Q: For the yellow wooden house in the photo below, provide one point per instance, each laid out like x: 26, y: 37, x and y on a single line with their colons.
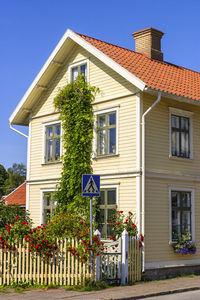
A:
x: 146, y: 139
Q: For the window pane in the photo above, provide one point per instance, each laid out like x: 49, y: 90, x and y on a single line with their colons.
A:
x: 110, y: 214
x: 111, y: 197
x: 102, y: 120
x: 56, y: 149
x: 57, y: 130
x: 102, y: 198
x: 49, y: 131
x: 112, y: 140
x: 175, y: 121
x: 46, y: 216
x: 186, y: 201
x: 47, y: 199
x: 175, y: 199
x: 49, y: 150
x: 112, y: 119
x: 176, y: 230
x: 101, y: 228
x: 74, y: 73
x: 186, y: 222
x: 101, y: 142
x: 83, y: 70
x: 101, y: 216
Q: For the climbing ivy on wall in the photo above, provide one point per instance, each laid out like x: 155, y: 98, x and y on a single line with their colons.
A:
x: 75, y: 104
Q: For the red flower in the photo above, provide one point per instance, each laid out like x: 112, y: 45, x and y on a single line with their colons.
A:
x: 17, y: 218
x: 121, y: 211
x: 141, y: 237
x: 133, y: 225
x: 140, y: 244
x: 117, y: 223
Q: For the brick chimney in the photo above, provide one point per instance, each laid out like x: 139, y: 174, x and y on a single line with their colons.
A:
x: 148, y: 41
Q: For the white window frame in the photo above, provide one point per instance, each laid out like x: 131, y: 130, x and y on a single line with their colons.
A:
x: 76, y: 64
x: 181, y: 113
x: 182, y: 189
x: 99, y: 112
x: 46, y: 124
x: 42, y: 192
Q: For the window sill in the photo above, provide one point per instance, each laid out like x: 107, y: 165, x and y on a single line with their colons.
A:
x: 183, y: 159
x: 51, y: 163
x: 105, y: 156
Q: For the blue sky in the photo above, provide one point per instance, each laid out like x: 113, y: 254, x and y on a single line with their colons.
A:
x: 30, y: 30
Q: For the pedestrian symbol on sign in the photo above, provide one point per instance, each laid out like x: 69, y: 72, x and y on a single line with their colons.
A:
x: 91, y: 185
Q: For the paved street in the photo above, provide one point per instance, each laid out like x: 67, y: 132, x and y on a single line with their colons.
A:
x: 194, y: 295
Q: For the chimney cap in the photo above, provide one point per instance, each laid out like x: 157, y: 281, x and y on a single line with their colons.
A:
x: 148, y: 30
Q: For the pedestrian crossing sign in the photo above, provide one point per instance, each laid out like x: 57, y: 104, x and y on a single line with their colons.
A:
x: 90, y: 185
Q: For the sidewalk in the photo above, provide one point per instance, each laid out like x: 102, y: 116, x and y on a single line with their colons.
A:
x: 138, y: 291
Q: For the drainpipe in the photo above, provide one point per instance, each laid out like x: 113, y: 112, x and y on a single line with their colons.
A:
x: 11, y: 127
x: 144, y: 172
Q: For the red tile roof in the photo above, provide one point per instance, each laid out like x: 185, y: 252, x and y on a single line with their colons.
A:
x: 158, y: 75
x: 18, y: 196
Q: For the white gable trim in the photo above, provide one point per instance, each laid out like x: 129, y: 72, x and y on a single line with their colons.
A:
x: 94, y: 51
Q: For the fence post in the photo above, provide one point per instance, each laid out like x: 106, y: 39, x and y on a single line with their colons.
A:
x: 98, y: 259
x: 124, y: 275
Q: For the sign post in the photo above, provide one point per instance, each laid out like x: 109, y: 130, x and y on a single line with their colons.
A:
x: 91, y: 188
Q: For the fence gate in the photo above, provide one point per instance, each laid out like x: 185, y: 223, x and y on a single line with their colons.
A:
x: 120, y: 260
x: 111, y: 260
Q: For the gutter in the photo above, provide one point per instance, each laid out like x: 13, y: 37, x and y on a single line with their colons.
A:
x: 144, y: 172
x: 23, y: 134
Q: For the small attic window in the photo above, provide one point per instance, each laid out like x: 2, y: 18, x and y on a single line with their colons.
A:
x: 80, y: 68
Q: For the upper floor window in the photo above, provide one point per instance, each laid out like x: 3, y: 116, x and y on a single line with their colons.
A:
x: 181, y: 213
x: 79, y: 68
x: 106, y: 133
x: 181, y: 135
x: 52, y: 142
x: 107, y: 204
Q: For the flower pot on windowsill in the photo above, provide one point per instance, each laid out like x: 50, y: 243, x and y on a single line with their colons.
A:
x: 184, y: 245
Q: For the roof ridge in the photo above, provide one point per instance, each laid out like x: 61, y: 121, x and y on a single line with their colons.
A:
x: 137, y: 53
x: 107, y: 42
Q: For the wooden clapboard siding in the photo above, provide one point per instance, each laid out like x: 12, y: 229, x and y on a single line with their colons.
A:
x: 157, y: 138
x: 126, y: 189
x: 158, y: 164
x: 157, y: 221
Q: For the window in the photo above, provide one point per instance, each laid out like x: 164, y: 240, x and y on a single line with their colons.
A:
x: 52, y: 142
x: 180, y: 136
x: 106, y: 133
x: 106, y: 206
x: 181, y: 213
x: 49, y: 206
x: 78, y: 70
x: 181, y: 133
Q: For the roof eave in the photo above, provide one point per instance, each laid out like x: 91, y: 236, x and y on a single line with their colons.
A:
x: 90, y: 48
x: 173, y: 96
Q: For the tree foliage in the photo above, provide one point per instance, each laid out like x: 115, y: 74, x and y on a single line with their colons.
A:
x: 16, y: 176
x: 8, y: 214
x: 3, y: 177
x: 75, y: 104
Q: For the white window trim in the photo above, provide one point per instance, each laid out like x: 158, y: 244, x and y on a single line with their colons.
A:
x: 45, y: 124
x: 182, y: 189
x: 182, y: 113
x: 99, y: 112
x: 42, y: 191
x: 78, y: 63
